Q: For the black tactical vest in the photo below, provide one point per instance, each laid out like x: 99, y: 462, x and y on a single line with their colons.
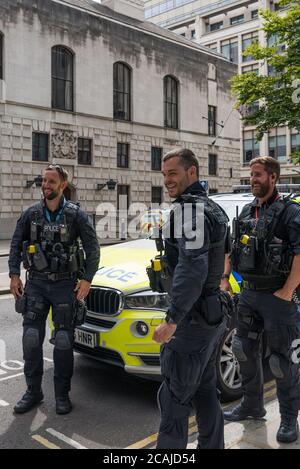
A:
x: 261, y: 255
x: 53, y: 246
x: 218, y: 221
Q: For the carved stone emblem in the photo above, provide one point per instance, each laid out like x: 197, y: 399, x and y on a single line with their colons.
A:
x: 64, y: 145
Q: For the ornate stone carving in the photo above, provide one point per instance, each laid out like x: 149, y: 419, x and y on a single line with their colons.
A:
x: 64, y: 145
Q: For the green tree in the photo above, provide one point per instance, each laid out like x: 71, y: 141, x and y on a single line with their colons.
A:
x: 279, y: 92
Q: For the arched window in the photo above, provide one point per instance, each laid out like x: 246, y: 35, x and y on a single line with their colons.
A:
x: 170, y: 102
x: 62, y: 78
x: 122, y: 91
x: 1, y: 56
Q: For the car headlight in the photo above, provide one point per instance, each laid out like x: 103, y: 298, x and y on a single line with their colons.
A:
x: 147, y: 300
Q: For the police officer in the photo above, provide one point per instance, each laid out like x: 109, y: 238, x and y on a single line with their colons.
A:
x: 266, y: 252
x: 50, y: 236
x: 195, y: 321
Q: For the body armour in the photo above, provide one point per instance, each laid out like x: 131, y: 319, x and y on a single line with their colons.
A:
x: 260, y: 254
x: 53, y: 246
x: 218, y: 225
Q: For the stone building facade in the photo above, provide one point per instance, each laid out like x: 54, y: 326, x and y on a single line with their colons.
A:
x: 81, y: 127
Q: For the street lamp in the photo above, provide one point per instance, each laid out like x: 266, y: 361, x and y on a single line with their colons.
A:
x: 111, y: 185
x: 38, y: 181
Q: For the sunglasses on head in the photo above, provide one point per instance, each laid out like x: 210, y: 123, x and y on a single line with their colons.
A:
x: 58, y: 168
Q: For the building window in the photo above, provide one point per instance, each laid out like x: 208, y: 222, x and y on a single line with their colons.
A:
x: 213, y: 47
x: 156, y: 157
x: 171, y: 102
x: 123, y: 155
x: 295, y: 142
x: 236, y: 19
x: 212, y: 164
x: 250, y: 146
x: 122, y: 91
x: 247, y: 40
x: 273, y: 41
x: 1, y: 56
x: 62, y: 78
x: 216, y: 26
x: 123, y: 190
x: 193, y: 34
x: 277, y: 146
x: 156, y: 195
x: 212, y: 120
x: 84, y: 151
x: 251, y: 68
x: 182, y: 34
x: 40, y: 146
x: 254, y: 14
x: 229, y: 48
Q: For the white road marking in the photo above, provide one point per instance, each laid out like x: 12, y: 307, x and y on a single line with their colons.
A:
x: 66, y: 439
x: 48, y: 360
x: 3, y: 403
x: 12, y: 376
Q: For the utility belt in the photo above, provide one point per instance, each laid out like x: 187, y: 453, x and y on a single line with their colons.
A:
x: 53, y: 276
x: 54, y: 257
x: 262, y: 287
x: 210, y: 310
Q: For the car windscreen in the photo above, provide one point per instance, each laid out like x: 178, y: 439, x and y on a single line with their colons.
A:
x: 229, y: 206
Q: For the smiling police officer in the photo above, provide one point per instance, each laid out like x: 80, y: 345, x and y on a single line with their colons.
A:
x: 266, y: 252
x: 60, y: 252
x: 195, y: 321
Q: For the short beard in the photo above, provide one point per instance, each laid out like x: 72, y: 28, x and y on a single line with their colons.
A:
x: 51, y: 196
x: 261, y: 191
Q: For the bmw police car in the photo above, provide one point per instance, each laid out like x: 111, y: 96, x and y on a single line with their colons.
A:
x: 123, y: 312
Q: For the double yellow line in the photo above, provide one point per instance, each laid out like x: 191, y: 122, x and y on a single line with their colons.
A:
x: 269, y: 392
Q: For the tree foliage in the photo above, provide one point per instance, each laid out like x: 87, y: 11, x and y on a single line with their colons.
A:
x: 279, y: 92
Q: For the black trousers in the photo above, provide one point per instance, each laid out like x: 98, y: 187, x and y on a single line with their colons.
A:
x: 188, y: 365
x: 41, y: 294
x: 262, y: 311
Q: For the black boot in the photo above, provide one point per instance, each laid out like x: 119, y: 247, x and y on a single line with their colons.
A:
x: 32, y: 397
x: 63, y: 405
x: 288, y: 430
x: 241, y: 412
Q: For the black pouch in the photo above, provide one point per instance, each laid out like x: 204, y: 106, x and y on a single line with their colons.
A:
x: 20, y: 304
x: 80, y: 312
x: 63, y: 315
x: 211, y: 309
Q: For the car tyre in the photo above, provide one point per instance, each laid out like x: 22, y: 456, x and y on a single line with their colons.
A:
x: 228, y: 369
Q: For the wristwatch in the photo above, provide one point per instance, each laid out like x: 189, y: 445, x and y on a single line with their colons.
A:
x: 169, y: 320
x: 225, y: 276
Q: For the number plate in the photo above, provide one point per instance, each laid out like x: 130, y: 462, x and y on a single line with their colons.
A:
x: 88, y: 339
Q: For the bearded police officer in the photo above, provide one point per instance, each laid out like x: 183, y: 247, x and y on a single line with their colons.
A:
x: 266, y: 252
x: 52, y: 237
x: 195, y: 320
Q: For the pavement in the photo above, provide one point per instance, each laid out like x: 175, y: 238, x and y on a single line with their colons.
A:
x: 4, y: 279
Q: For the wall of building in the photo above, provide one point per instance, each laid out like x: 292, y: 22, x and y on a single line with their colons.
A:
x: 29, y: 34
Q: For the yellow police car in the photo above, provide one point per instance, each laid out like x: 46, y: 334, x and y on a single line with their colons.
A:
x: 123, y: 313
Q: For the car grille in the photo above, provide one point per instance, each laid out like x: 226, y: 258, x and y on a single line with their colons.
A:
x: 150, y: 360
x: 104, y: 301
x: 101, y: 353
x: 99, y: 322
